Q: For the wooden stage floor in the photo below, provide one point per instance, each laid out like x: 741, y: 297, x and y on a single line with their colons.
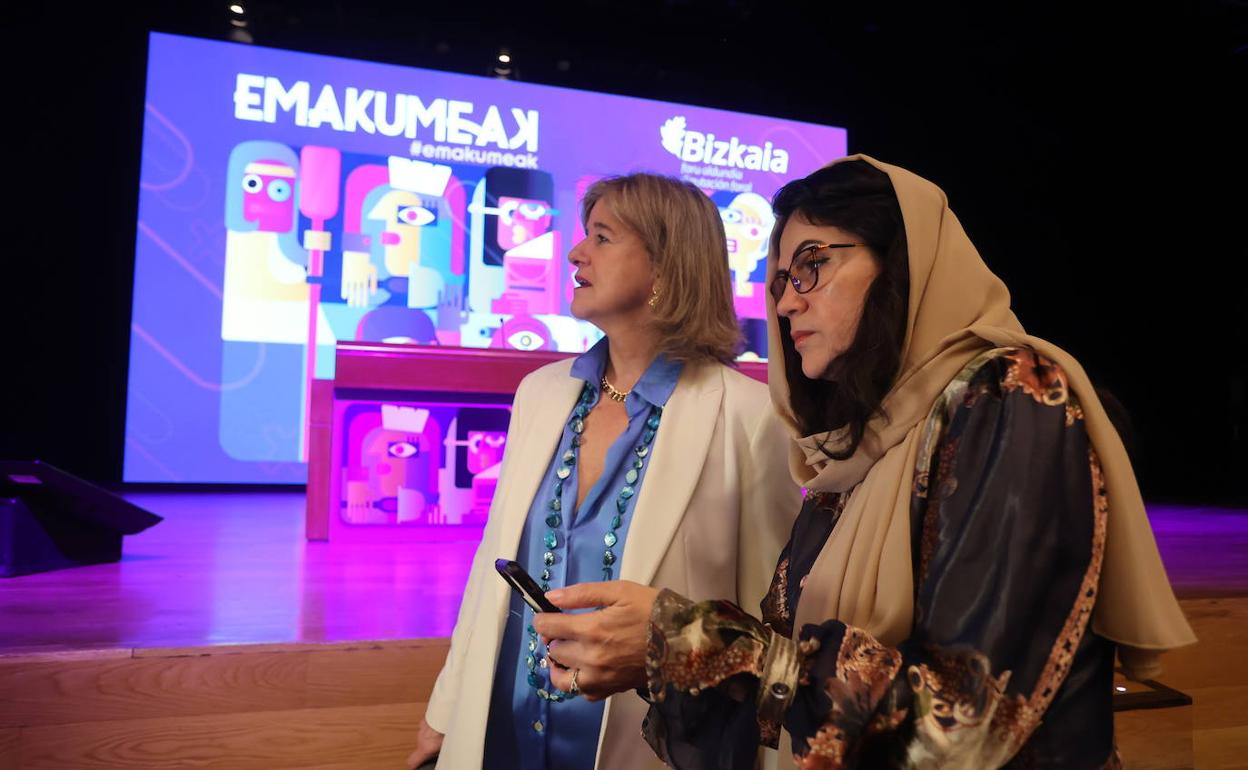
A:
x: 223, y: 640
x: 234, y: 568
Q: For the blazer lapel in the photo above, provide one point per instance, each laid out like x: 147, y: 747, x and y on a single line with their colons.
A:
x: 678, y: 453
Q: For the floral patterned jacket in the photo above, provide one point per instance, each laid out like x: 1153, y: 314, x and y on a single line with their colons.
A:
x: 1008, y: 518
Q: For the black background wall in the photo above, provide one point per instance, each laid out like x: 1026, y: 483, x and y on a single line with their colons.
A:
x: 1096, y: 158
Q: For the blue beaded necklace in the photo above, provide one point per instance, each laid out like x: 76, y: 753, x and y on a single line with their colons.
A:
x: 554, y: 519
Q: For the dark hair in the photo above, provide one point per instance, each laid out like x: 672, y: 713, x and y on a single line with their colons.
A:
x: 858, y: 198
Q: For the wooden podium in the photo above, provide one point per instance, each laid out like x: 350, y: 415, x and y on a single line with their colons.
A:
x: 392, y: 372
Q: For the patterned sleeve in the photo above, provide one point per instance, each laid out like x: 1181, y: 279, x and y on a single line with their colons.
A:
x: 1009, y: 526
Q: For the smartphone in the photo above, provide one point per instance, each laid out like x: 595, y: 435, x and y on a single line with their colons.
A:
x: 524, y: 585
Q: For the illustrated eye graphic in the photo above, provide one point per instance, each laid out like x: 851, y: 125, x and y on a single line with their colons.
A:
x: 496, y: 441
x: 402, y: 450
x: 416, y: 216
x: 252, y: 183
x: 525, y: 341
x: 730, y: 216
x: 532, y: 211
x: 279, y: 190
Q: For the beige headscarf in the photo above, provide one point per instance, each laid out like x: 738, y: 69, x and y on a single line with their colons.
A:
x: 958, y: 309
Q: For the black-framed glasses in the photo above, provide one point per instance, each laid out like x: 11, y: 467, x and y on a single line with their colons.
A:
x: 803, y: 271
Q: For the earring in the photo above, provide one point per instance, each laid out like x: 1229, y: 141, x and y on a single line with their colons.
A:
x: 653, y: 302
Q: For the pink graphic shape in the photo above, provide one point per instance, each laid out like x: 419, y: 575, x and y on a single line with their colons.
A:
x: 752, y: 306
x: 531, y: 278
x: 360, y: 182
x: 456, y: 201
x: 268, y: 198
x: 521, y: 220
x: 318, y: 201
x: 318, y: 191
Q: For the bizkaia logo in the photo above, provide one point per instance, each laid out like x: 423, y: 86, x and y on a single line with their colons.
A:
x: 696, y: 147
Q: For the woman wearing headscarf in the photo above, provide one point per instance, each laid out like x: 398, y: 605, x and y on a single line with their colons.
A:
x: 972, y: 552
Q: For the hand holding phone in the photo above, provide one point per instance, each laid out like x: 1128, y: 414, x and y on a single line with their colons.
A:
x: 524, y: 585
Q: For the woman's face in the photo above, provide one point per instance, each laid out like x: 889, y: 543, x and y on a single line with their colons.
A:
x: 824, y: 320
x: 614, y: 275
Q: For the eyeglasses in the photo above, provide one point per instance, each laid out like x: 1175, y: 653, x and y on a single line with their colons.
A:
x: 803, y: 271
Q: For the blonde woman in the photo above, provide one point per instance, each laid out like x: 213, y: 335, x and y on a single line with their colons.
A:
x: 640, y: 460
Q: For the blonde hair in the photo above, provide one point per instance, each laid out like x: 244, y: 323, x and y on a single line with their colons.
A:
x: 681, y: 230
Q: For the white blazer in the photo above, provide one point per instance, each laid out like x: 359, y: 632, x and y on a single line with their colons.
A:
x: 712, y: 515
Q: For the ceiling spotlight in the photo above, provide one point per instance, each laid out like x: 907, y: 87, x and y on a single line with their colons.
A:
x: 236, y: 9
x: 503, y: 67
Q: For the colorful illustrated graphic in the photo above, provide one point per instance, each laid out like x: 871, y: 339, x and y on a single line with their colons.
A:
x: 418, y: 463
x: 290, y: 201
x: 394, y: 258
x: 485, y: 450
x: 515, y: 255
x: 748, y: 222
x: 404, y: 232
x: 269, y: 309
x: 402, y: 457
x: 265, y: 292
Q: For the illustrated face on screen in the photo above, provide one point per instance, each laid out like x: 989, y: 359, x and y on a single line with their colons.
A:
x: 505, y: 192
x: 747, y: 224
x: 402, y: 452
x: 391, y: 457
x: 269, y: 195
x: 485, y: 449
x: 403, y: 214
x: 521, y: 220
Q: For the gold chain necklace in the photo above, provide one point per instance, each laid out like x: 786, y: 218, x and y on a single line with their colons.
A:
x: 612, y: 393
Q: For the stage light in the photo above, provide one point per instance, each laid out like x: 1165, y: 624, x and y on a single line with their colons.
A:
x: 1120, y: 688
x: 503, y: 68
x: 237, y: 9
